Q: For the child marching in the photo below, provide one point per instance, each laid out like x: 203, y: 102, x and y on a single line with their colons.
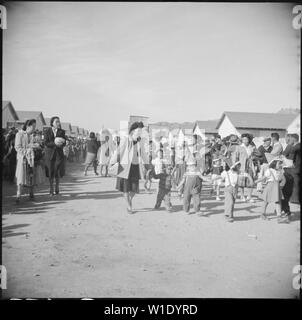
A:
x: 275, y: 180
x: 164, y: 187
x: 217, y: 169
x: 191, y: 186
x: 230, y: 176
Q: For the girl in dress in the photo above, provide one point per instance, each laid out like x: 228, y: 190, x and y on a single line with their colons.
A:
x: 275, y: 180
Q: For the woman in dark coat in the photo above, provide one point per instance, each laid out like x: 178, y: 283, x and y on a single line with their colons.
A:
x: 92, y: 150
x: 55, y: 140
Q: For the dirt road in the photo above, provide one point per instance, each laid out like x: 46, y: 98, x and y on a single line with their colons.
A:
x: 83, y: 243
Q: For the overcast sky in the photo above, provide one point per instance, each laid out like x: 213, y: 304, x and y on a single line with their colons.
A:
x: 93, y: 64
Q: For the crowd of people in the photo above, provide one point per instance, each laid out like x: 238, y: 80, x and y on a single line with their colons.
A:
x: 31, y: 156
x: 233, y: 161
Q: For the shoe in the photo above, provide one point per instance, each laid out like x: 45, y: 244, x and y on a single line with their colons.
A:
x: 85, y: 174
x: 218, y: 199
x: 202, y: 214
x: 96, y: 173
x: 242, y: 199
x: 283, y: 220
x: 129, y: 211
x: 250, y: 200
x: 18, y: 200
x: 32, y: 197
x: 263, y: 217
x: 229, y: 219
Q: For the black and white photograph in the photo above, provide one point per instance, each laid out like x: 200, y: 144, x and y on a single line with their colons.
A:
x: 150, y: 150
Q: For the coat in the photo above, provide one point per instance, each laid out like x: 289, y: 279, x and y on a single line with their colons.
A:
x: 54, y: 155
x: 289, y: 152
x: 125, y: 154
x: 261, y: 153
x: 23, y: 144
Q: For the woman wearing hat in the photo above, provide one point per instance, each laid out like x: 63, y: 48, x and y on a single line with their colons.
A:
x: 273, y: 175
x: 244, y: 155
x: 55, y: 140
x: 131, y: 157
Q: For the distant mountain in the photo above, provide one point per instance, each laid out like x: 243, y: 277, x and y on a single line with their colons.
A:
x: 289, y: 111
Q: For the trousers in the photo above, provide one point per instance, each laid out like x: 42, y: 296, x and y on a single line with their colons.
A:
x: 187, y: 201
x: 230, y: 194
x: 163, y: 194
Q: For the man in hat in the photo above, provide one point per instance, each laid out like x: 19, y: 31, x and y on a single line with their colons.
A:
x: 264, y: 148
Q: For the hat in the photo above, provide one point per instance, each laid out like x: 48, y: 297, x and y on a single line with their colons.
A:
x: 233, y: 138
x: 271, y: 158
x: 247, y: 135
x: 267, y: 139
x: 231, y: 163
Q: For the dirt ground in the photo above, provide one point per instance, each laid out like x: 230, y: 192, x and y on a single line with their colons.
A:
x: 83, y: 243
